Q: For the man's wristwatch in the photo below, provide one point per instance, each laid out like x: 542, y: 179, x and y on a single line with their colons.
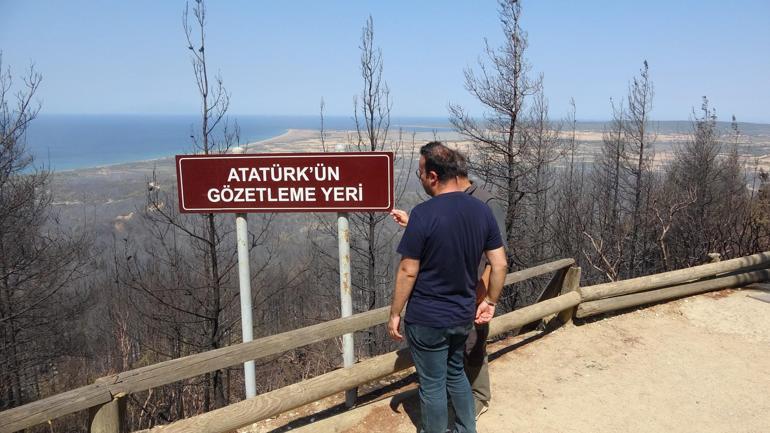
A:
x: 489, y: 302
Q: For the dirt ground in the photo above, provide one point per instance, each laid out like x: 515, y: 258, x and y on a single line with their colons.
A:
x: 698, y: 364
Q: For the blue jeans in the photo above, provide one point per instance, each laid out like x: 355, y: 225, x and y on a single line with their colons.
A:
x: 438, y: 357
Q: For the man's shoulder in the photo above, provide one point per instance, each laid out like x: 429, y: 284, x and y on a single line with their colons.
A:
x: 421, y: 207
x: 494, y: 204
x: 479, y: 193
x: 423, y: 211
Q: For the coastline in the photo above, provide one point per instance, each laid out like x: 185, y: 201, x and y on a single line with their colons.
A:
x: 121, y: 188
x: 285, y: 135
x: 309, y: 140
x: 291, y: 140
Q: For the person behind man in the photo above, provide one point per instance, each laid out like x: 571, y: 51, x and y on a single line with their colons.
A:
x: 476, y: 361
x: 441, y: 249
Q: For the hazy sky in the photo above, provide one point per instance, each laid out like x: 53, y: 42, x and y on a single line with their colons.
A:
x: 282, y: 57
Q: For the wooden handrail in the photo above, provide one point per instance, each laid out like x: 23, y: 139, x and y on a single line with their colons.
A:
x: 52, y: 407
x: 173, y: 370
x: 624, y: 287
x: 617, y: 294
x: 626, y: 301
x: 270, y: 404
x: 266, y: 405
x: 167, y: 372
x: 525, y: 274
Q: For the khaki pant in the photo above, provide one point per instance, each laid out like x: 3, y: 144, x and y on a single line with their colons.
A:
x: 477, y: 364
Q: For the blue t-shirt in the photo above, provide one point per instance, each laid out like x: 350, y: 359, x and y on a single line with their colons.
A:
x: 448, y: 234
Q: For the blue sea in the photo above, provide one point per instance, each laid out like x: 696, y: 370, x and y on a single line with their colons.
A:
x: 66, y: 142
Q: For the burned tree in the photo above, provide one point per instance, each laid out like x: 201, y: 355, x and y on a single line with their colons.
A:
x: 182, y: 279
x: 371, y: 234
x: 41, y: 262
x: 502, y: 150
x: 639, y: 155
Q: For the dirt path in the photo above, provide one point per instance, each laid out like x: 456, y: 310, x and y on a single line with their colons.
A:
x: 695, y: 365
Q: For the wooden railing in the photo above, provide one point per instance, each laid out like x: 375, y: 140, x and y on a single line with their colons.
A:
x: 563, y: 298
x: 104, y: 397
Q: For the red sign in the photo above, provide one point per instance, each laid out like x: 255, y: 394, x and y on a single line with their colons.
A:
x: 286, y: 182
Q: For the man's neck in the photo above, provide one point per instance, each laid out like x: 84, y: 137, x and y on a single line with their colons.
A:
x: 446, y: 187
x: 463, y: 183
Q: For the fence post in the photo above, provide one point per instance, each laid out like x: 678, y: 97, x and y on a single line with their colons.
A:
x: 551, y: 291
x: 571, y: 283
x: 108, y: 417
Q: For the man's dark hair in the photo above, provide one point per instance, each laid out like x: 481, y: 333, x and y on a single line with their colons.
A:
x: 440, y: 159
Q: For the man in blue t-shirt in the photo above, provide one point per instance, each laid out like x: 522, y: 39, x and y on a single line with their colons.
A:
x: 441, y: 249
x: 476, y: 360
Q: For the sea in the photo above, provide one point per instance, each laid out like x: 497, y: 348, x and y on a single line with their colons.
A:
x: 67, y: 141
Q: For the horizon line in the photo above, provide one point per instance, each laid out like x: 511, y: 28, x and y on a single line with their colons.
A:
x: 396, y: 116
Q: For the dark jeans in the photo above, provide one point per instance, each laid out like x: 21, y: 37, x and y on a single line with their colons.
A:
x: 438, y: 357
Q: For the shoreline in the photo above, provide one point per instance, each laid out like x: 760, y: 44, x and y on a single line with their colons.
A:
x: 309, y: 140
x: 287, y: 134
x: 291, y: 140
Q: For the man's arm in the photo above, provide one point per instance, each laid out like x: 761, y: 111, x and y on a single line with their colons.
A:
x: 482, y: 284
x: 405, y: 278
x: 499, y: 266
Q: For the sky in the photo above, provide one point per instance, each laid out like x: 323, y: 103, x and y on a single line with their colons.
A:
x: 283, y: 57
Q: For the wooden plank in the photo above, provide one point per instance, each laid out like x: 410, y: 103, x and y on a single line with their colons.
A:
x: 619, y: 302
x: 183, y: 368
x: 548, y: 292
x: 53, y: 407
x: 266, y: 405
x: 525, y: 274
x: 522, y: 316
x: 571, y: 284
x: 554, y: 287
x: 670, y: 278
x: 281, y: 400
x: 109, y: 417
x: 174, y: 370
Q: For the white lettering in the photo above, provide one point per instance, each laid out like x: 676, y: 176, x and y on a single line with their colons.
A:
x: 214, y: 195
x: 351, y: 193
x: 226, y: 194
x: 283, y: 194
x: 302, y: 174
x: 334, y: 173
x: 326, y: 191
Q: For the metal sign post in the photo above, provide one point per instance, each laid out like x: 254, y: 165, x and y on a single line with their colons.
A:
x: 244, y: 281
x: 346, y: 298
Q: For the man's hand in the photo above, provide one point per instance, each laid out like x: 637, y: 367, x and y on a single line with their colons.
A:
x: 484, y: 313
x: 400, y: 217
x: 393, y: 325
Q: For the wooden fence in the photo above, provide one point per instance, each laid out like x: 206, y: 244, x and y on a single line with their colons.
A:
x: 563, y: 298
